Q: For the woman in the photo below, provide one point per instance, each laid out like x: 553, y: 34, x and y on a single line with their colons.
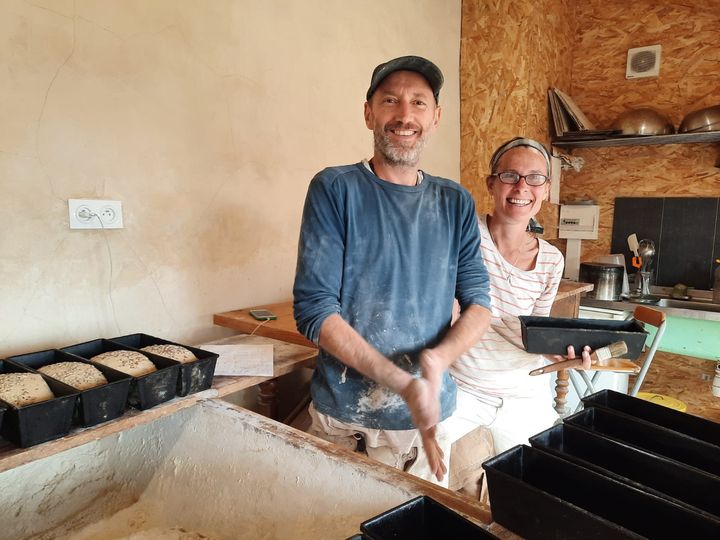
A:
x: 494, y: 388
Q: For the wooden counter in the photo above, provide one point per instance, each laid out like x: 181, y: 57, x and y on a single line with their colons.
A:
x: 283, y: 328
x: 567, y: 300
x: 287, y: 357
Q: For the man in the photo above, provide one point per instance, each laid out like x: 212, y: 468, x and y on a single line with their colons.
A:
x: 384, y: 249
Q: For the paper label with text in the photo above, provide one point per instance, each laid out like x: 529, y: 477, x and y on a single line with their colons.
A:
x: 246, y: 360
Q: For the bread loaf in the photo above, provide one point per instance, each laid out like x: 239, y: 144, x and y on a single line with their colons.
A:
x: 76, y: 374
x: 130, y: 362
x: 20, y: 389
x: 174, y: 352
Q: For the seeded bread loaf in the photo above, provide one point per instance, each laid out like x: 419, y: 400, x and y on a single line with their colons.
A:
x: 130, y: 362
x: 174, y: 352
x: 79, y: 375
x: 20, y: 389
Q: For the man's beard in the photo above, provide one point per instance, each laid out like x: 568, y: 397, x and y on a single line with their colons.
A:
x: 396, y: 154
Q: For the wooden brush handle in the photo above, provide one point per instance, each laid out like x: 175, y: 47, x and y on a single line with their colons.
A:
x: 558, y: 366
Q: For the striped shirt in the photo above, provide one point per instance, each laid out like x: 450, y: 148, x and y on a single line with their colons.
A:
x: 498, y: 365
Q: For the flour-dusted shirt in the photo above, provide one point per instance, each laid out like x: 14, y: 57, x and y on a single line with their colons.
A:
x: 498, y: 365
x: 389, y: 259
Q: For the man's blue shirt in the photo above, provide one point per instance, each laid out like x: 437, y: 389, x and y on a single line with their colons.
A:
x: 389, y: 259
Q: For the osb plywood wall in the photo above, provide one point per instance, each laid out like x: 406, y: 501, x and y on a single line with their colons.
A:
x: 510, y: 53
x: 689, y: 33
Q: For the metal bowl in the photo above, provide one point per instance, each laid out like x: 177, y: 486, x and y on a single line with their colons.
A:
x: 707, y: 119
x: 643, y: 121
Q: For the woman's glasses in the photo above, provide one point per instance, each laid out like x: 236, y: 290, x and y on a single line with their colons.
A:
x: 533, y: 179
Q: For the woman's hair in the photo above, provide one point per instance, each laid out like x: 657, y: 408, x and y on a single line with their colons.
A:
x: 514, y: 143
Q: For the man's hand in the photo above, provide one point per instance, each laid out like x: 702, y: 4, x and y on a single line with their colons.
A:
x: 433, y: 367
x: 422, y: 402
x: 434, y: 453
x: 422, y: 395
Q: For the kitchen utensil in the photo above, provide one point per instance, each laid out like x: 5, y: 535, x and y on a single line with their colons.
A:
x: 634, y: 244
x: 607, y: 279
x: 707, y: 119
x: 643, y: 121
x: 605, y: 358
x: 618, y: 258
x: 646, y: 250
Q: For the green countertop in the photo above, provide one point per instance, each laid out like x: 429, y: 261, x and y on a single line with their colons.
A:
x: 692, y: 337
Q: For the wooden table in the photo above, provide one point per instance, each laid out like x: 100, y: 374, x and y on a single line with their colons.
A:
x: 283, y: 328
x: 287, y: 357
x: 566, y: 304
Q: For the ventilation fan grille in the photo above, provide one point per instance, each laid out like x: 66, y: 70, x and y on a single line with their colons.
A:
x: 643, y: 62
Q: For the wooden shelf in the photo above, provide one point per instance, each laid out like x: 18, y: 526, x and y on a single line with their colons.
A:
x: 676, y: 138
x: 287, y: 357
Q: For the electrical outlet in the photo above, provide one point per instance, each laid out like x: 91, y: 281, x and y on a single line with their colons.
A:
x: 95, y: 214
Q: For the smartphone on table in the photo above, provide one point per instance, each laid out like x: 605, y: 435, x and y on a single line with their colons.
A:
x: 262, y: 315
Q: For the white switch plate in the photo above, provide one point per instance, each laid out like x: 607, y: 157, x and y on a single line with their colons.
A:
x: 95, y: 214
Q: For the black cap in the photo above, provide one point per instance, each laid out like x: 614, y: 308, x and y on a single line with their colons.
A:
x: 424, y: 67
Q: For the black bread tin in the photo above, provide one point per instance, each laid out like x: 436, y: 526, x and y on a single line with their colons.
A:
x: 538, y: 495
x: 694, y: 426
x: 418, y: 519
x: 552, y: 335
x: 145, y: 391
x: 194, y: 377
x: 96, y: 405
x: 39, y: 422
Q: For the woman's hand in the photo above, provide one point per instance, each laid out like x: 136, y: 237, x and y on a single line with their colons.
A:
x: 585, y: 355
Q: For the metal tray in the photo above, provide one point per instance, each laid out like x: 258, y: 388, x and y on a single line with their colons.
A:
x: 538, y: 495
x: 552, y: 335
x: 39, y: 422
x: 96, y: 405
x: 421, y: 518
x: 146, y: 391
x: 194, y: 376
x: 694, y: 426
x: 644, y: 470
x: 649, y: 437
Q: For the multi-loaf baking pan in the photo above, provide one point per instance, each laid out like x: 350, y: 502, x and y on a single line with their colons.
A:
x: 539, y: 495
x: 613, y: 470
x: 645, y: 470
x: 194, y: 376
x: 649, y: 437
x: 95, y: 405
x: 145, y: 391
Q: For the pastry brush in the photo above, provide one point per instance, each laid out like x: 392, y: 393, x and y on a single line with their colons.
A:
x: 602, y: 357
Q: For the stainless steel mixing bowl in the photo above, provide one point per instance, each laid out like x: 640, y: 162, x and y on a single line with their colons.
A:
x: 707, y: 119
x: 643, y: 121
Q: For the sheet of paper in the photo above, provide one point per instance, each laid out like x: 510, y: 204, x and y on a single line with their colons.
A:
x: 243, y: 359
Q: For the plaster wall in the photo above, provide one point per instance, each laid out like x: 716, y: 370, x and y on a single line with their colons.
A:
x: 210, y: 469
x: 207, y: 120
